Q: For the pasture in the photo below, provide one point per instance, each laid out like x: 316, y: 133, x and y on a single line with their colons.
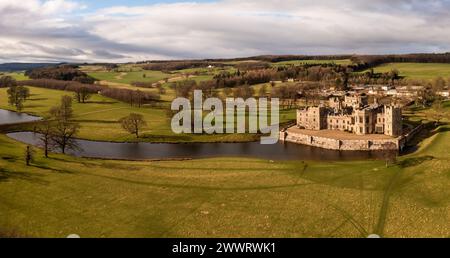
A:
x: 18, y: 76
x: 314, y: 62
x: 130, y: 77
x: 226, y: 197
x: 423, y: 71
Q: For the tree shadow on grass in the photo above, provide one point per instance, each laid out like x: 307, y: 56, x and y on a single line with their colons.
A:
x: 65, y: 160
x: 10, y: 159
x: 101, y: 102
x: 34, y: 106
x: 54, y: 169
x: 430, y: 130
x: 37, y: 99
x: 6, y: 175
x: 411, y: 162
x: 96, y: 121
x: 442, y: 130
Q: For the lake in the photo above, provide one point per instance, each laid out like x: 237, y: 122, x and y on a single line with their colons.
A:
x: 143, y: 151
x: 9, y: 117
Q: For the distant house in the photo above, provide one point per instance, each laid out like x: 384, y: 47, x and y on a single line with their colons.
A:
x: 386, y: 87
x: 392, y: 92
x: 445, y: 94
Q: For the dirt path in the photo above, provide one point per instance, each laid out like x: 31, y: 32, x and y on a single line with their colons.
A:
x: 175, y: 79
x: 120, y: 76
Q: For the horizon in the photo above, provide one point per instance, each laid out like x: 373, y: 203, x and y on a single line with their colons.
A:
x: 79, y: 31
x: 231, y: 58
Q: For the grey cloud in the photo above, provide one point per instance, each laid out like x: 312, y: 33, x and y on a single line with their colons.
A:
x: 227, y: 28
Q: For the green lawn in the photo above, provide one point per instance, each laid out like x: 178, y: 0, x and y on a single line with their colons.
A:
x: 129, y: 77
x: 19, y: 76
x: 226, y: 197
x: 300, y: 62
x: 99, y: 119
x: 417, y: 70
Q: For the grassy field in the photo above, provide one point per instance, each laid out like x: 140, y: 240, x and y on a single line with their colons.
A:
x: 417, y: 70
x: 99, y: 119
x: 18, y: 75
x: 129, y: 77
x: 300, y: 62
x: 226, y: 197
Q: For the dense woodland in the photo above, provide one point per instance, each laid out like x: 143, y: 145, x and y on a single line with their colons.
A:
x: 63, y: 73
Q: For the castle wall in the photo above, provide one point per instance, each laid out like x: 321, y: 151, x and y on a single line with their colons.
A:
x: 343, y: 145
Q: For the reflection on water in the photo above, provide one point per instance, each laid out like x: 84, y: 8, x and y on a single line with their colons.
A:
x: 9, y: 117
x: 141, y: 151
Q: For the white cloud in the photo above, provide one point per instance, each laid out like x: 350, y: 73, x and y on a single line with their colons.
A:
x: 226, y: 28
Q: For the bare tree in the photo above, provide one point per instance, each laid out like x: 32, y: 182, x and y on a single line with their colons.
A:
x: 46, y: 131
x: 63, y: 130
x: 63, y: 135
x: 133, y: 123
x: 64, y: 111
x: 29, y: 155
x: 139, y: 98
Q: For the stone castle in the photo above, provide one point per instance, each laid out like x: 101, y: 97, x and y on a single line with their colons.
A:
x: 352, y: 114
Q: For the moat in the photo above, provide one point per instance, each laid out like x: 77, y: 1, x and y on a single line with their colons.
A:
x: 148, y: 151
x: 10, y: 117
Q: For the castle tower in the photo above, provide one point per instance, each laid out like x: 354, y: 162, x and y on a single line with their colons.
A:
x: 393, y: 121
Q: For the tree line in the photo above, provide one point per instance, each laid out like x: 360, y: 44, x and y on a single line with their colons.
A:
x: 364, y: 62
x: 82, y: 92
x: 62, y: 72
x: 167, y: 66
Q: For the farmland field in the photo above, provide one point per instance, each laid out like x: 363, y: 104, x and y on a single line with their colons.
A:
x: 130, y: 77
x: 300, y: 62
x: 18, y: 76
x: 417, y: 70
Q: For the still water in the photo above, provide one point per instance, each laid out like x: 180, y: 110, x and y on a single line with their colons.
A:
x: 142, y: 151
x: 9, y: 117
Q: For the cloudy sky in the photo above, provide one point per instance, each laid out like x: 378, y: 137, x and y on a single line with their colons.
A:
x: 122, y: 31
